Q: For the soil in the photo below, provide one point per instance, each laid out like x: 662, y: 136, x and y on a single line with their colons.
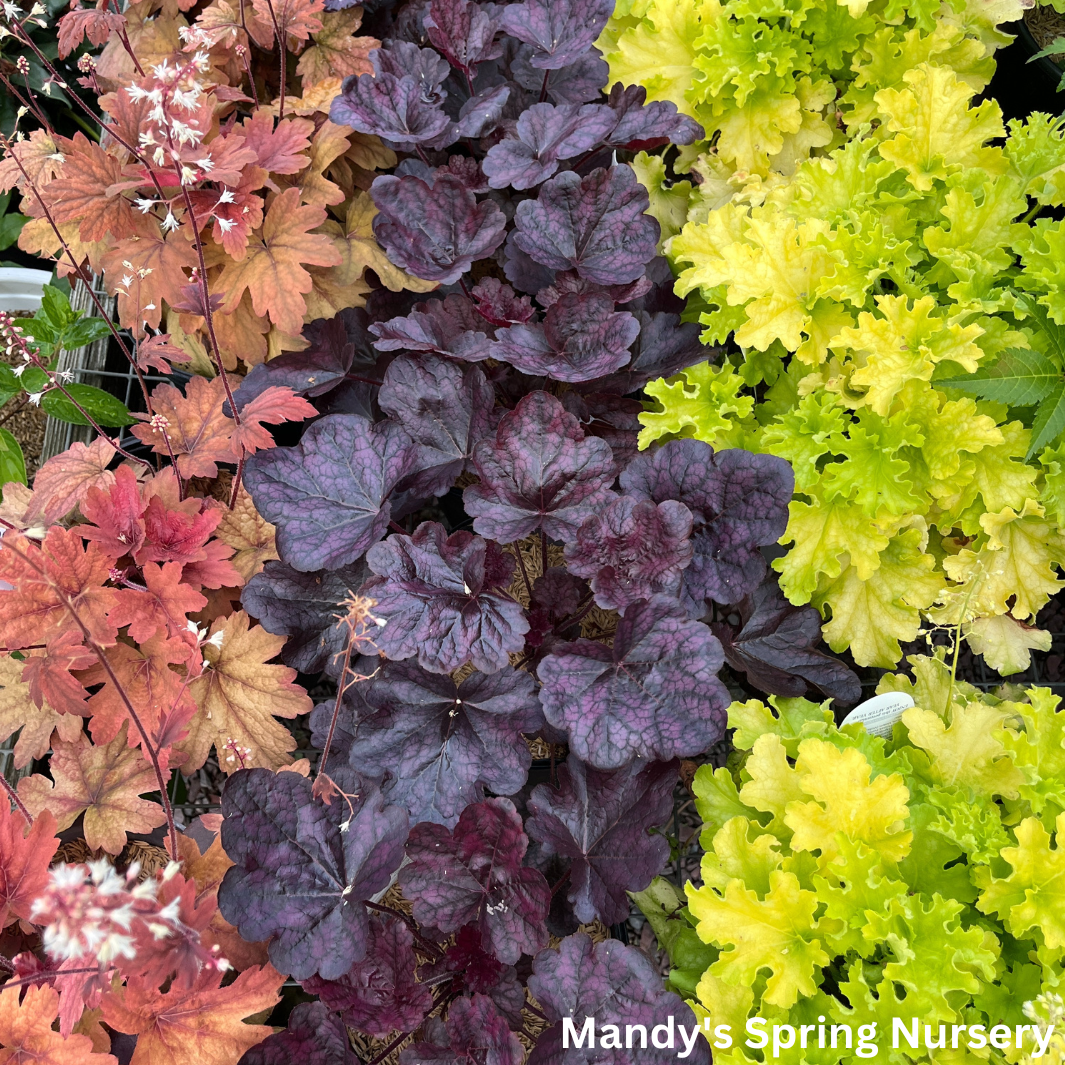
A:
x: 1046, y: 26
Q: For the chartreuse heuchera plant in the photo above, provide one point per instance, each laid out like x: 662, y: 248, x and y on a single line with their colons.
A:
x: 892, y: 313
x: 851, y: 880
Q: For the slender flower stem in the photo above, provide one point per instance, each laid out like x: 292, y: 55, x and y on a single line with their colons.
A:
x: 14, y: 797
x: 283, y: 49
x: 101, y: 656
x: 40, y: 978
x: 237, y: 478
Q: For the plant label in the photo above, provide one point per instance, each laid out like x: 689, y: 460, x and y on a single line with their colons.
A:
x: 880, y: 713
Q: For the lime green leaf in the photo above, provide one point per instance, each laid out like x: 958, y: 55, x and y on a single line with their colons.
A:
x: 1006, y: 643
x: 790, y: 719
x: 932, y: 865
x: 1039, y: 750
x: 717, y: 800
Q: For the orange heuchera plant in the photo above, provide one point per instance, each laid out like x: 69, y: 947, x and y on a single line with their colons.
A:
x: 221, y: 233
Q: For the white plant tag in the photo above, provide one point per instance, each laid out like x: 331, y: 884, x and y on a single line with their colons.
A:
x: 880, y: 713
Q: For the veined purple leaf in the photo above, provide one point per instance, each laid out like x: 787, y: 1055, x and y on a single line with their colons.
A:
x: 304, y: 607
x: 397, y: 105
x: 464, y: 32
x: 445, y: 409
x: 438, y: 745
x: 434, y: 232
x: 313, y: 1036
x: 302, y: 869
x: 378, y: 995
x: 641, y: 125
x: 655, y: 694
x: 600, y: 821
x: 582, y: 338
x: 498, y: 304
x: 480, y: 114
x: 613, y: 418
x: 338, y: 346
x: 328, y: 495
x: 402, y: 59
x: 777, y: 648
x: 595, y: 225
x: 560, y: 31
x: 478, y: 1034
x: 450, y: 327
x: 739, y: 504
x: 631, y: 550
x: 439, y: 597
x: 538, y: 472
x: 477, y: 972
x: 664, y: 347
x: 474, y: 875
x: 613, y: 984
x: 520, y: 269
x: 544, y: 134
x: 581, y: 82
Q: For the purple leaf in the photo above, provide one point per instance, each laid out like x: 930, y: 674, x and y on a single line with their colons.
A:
x: 612, y: 418
x: 328, y: 495
x: 664, y: 347
x: 401, y: 102
x: 475, y: 876
x: 379, y: 994
x: 353, y: 709
x: 739, y: 504
x: 579, y: 83
x: 524, y: 274
x: 464, y: 32
x: 595, y: 225
x: 478, y: 1034
x: 477, y: 972
x: 641, y: 125
x: 434, y: 232
x: 479, y: 115
x: 777, y: 648
x: 631, y: 550
x: 445, y: 409
x: 613, y: 984
x: 582, y: 338
x: 544, y: 134
x: 439, y: 745
x: 302, y: 869
x: 338, y: 346
x: 304, y: 607
x: 560, y: 31
x: 314, y: 1036
x: 538, y: 472
x: 498, y: 304
x: 450, y: 327
x: 654, y: 694
x: 600, y: 822
x: 440, y: 601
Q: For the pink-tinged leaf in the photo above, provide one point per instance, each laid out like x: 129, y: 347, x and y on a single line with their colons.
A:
x: 64, y: 480
x: 274, y: 405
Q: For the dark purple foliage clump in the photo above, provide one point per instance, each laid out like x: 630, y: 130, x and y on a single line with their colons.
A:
x: 535, y: 587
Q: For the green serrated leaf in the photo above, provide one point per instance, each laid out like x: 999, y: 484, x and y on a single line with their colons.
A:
x: 1020, y: 377
x: 100, y: 405
x: 1051, y: 330
x: 12, y: 461
x: 10, y: 228
x: 1049, y: 420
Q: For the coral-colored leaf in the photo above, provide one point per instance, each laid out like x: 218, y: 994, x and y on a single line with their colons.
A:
x: 49, y: 678
x: 279, y: 150
x: 24, y: 858
x: 115, y: 514
x: 164, y: 605
x: 26, y: 1032
x: 46, y: 578
x: 240, y: 695
x: 18, y: 711
x: 197, y: 430
x: 155, y: 267
x: 274, y: 405
x: 204, y: 1024
x: 273, y: 268
x: 95, y: 23
x: 62, y: 482
x: 297, y: 19
x: 80, y: 194
x: 103, y: 783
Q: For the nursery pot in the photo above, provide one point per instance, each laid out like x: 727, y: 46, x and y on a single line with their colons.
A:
x: 1020, y: 86
x: 21, y: 288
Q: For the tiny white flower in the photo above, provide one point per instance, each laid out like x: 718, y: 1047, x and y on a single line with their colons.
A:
x: 170, y: 223
x: 226, y: 196
x: 35, y: 398
x: 19, y: 370
x: 144, y: 205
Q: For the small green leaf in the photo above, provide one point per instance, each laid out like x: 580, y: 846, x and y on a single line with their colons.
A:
x: 1049, y: 420
x: 33, y: 379
x: 10, y: 228
x: 82, y: 332
x: 12, y: 462
x: 1019, y: 376
x: 1051, y: 330
x: 55, y: 309
x: 100, y: 405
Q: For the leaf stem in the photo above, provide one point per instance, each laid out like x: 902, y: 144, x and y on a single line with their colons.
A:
x: 14, y: 797
x: 429, y: 947
x: 388, y: 1049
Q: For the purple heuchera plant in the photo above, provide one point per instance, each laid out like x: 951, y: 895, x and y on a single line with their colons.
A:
x: 475, y: 472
